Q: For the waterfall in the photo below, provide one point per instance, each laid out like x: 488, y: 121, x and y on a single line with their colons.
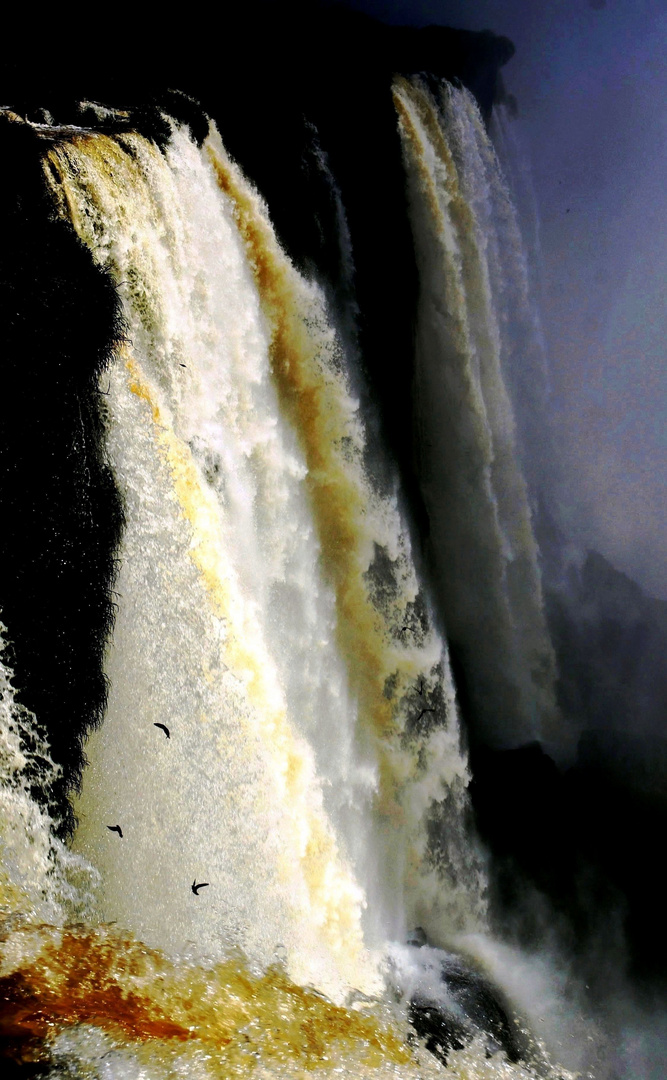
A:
x: 282, y: 727
x: 482, y: 542
x: 289, y: 643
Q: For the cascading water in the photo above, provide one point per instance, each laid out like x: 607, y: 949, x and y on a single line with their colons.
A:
x: 39, y: 877
x: 269, y: 616
x: 482, y: 541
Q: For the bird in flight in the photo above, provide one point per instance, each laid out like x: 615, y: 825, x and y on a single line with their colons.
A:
x: 164, y: 728
x: 116, y: 828
x: 195, y: 887
x: 422, y: 713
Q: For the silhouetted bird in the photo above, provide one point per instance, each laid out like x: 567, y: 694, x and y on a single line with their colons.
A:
x: 422, y: 713
x: 116, y: 828
x: 164, y: 728
x: 195, y: 887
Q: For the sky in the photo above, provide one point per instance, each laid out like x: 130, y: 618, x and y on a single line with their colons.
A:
x: 590, y: 81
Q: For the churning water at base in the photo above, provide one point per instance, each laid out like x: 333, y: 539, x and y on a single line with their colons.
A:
x: 308, y: 769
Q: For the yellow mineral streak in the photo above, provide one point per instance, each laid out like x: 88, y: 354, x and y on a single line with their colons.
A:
x: 332, y: 891
x: 314, y: 395
x: 52, y: 980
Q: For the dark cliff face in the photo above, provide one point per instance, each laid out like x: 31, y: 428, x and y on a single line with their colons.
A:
x: 259, y: 54
x: 611, y: 641
x: 587, y: 837
x: 61, y: 513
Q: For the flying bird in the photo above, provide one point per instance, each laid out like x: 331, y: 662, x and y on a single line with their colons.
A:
x: 164, y: 728
x: 116, y: 828
x: 422, y: 713
x: 195, y: 887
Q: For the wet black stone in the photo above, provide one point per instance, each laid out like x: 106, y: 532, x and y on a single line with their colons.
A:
x: 439, y: 1031
x: 478, y: 1009
x: 14, y: 1070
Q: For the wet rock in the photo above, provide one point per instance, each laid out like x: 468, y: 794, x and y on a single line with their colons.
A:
x: 451, y: 1002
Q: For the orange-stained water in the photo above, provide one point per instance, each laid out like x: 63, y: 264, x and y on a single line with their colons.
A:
x: 104, y: 977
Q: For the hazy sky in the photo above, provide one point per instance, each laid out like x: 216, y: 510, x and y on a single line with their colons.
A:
x: 590, y: 79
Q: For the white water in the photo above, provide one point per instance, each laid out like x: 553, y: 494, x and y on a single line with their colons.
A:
x: 39, y: 877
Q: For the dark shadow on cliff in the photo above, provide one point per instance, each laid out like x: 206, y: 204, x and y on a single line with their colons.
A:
x: 61, y: 512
